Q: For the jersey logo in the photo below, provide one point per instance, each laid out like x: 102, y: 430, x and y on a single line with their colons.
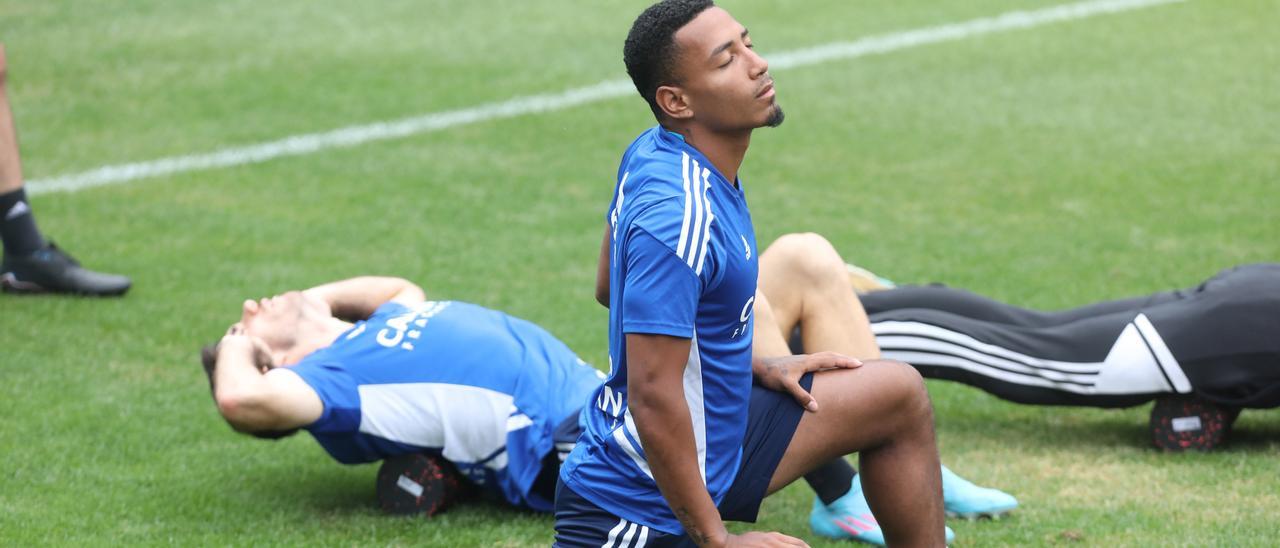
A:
x: 610, y: 402
x: 409, y: 326
x: 745, y: 246
x: 744, y: 316
x: 17, y: 210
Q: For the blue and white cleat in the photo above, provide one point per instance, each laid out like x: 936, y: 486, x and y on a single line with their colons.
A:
x: 849, y: 518
x: 963, y: 499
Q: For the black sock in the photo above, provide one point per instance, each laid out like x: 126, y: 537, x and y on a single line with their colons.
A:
x: 17, y: 226
x: 831, y: 480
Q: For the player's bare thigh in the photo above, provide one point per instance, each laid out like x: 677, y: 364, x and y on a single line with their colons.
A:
x: 860, y: 409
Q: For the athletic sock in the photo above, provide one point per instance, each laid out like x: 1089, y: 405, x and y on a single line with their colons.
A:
x: 831, y: 480
x: 17, y: 225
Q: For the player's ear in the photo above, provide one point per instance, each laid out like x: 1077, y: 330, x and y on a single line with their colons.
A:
x: 673, y: 102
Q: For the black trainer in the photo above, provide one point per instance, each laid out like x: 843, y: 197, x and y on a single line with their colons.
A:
x: 51, y: 270
x: 1183, y: 422
x: 417, y: 484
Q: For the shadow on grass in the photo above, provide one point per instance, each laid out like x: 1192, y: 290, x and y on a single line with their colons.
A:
x: 336, y: 491
x: 1071, y: 429
x: 984, y: 419
x: 351, y: 491
x: 1257, y: 431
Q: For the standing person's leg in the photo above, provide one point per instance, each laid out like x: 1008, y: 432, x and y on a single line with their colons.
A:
x: 17, y: 227
x: 30, y: 264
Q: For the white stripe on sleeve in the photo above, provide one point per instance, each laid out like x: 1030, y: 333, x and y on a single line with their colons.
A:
x: 697, y: 219
x: 684, y: 228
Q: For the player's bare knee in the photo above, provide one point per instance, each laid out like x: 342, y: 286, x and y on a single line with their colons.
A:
x: 808, y: 255
x: 906, y: 385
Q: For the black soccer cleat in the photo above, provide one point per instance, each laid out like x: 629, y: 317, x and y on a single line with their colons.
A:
x: 417, y: 484
x: 1184, y: 422
x: 51, y: 270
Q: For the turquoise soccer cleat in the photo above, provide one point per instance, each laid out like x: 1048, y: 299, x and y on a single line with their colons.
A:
x: 962, y: 498
x: 865, y: 281
x: 849, y: 517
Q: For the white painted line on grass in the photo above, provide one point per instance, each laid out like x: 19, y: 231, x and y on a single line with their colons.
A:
x: 298, y: 145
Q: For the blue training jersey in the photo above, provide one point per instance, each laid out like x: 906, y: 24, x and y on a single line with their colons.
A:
x: 482, y: 389
x: 682, y: 263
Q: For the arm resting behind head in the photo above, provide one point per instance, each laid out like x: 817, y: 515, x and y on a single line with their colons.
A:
x: 356, y: 298
x: 251, y: 400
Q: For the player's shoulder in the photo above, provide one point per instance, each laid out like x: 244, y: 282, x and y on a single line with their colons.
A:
x: 655, y: 165
x: 388, y: 309
x: 655, y: 189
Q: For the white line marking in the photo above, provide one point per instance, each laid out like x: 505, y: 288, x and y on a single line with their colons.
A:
x: 298, y: 145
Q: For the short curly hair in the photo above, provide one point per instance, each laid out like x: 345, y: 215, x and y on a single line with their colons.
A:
x: 650, y: 50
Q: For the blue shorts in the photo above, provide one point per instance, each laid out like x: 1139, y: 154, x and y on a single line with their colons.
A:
x: 772, y: 418
x: 564, y: 437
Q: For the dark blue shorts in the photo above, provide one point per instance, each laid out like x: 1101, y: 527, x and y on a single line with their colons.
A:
x: 564, y: 437
x: 772, y: 418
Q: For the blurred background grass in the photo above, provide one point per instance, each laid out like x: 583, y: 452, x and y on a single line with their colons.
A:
x: 1048, y: 167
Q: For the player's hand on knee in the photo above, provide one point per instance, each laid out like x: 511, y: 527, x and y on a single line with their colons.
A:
x: 757, y: 539
x: 782, y: 374
x: 822, y: 361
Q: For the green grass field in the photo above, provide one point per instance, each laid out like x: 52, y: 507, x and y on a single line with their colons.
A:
x: 1051, y: 166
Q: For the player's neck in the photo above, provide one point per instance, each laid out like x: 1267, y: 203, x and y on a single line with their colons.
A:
x: 725, y: 150
x: 317, y: 334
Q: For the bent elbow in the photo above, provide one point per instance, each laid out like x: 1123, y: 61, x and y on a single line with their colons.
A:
x: 237, y: 408
x: 650, y: 398
x: 229, y: 405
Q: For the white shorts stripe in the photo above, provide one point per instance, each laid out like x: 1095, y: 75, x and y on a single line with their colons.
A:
x: 613, y: 535
x: 626, y: 539
x: 644, y: 537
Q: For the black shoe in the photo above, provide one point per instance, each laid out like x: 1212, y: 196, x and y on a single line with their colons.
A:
x: 1182, y: 422
x: 417, y: 484
x: 51, y: 270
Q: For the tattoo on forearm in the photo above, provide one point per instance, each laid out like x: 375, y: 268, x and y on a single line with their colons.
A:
x: 691, y: 528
